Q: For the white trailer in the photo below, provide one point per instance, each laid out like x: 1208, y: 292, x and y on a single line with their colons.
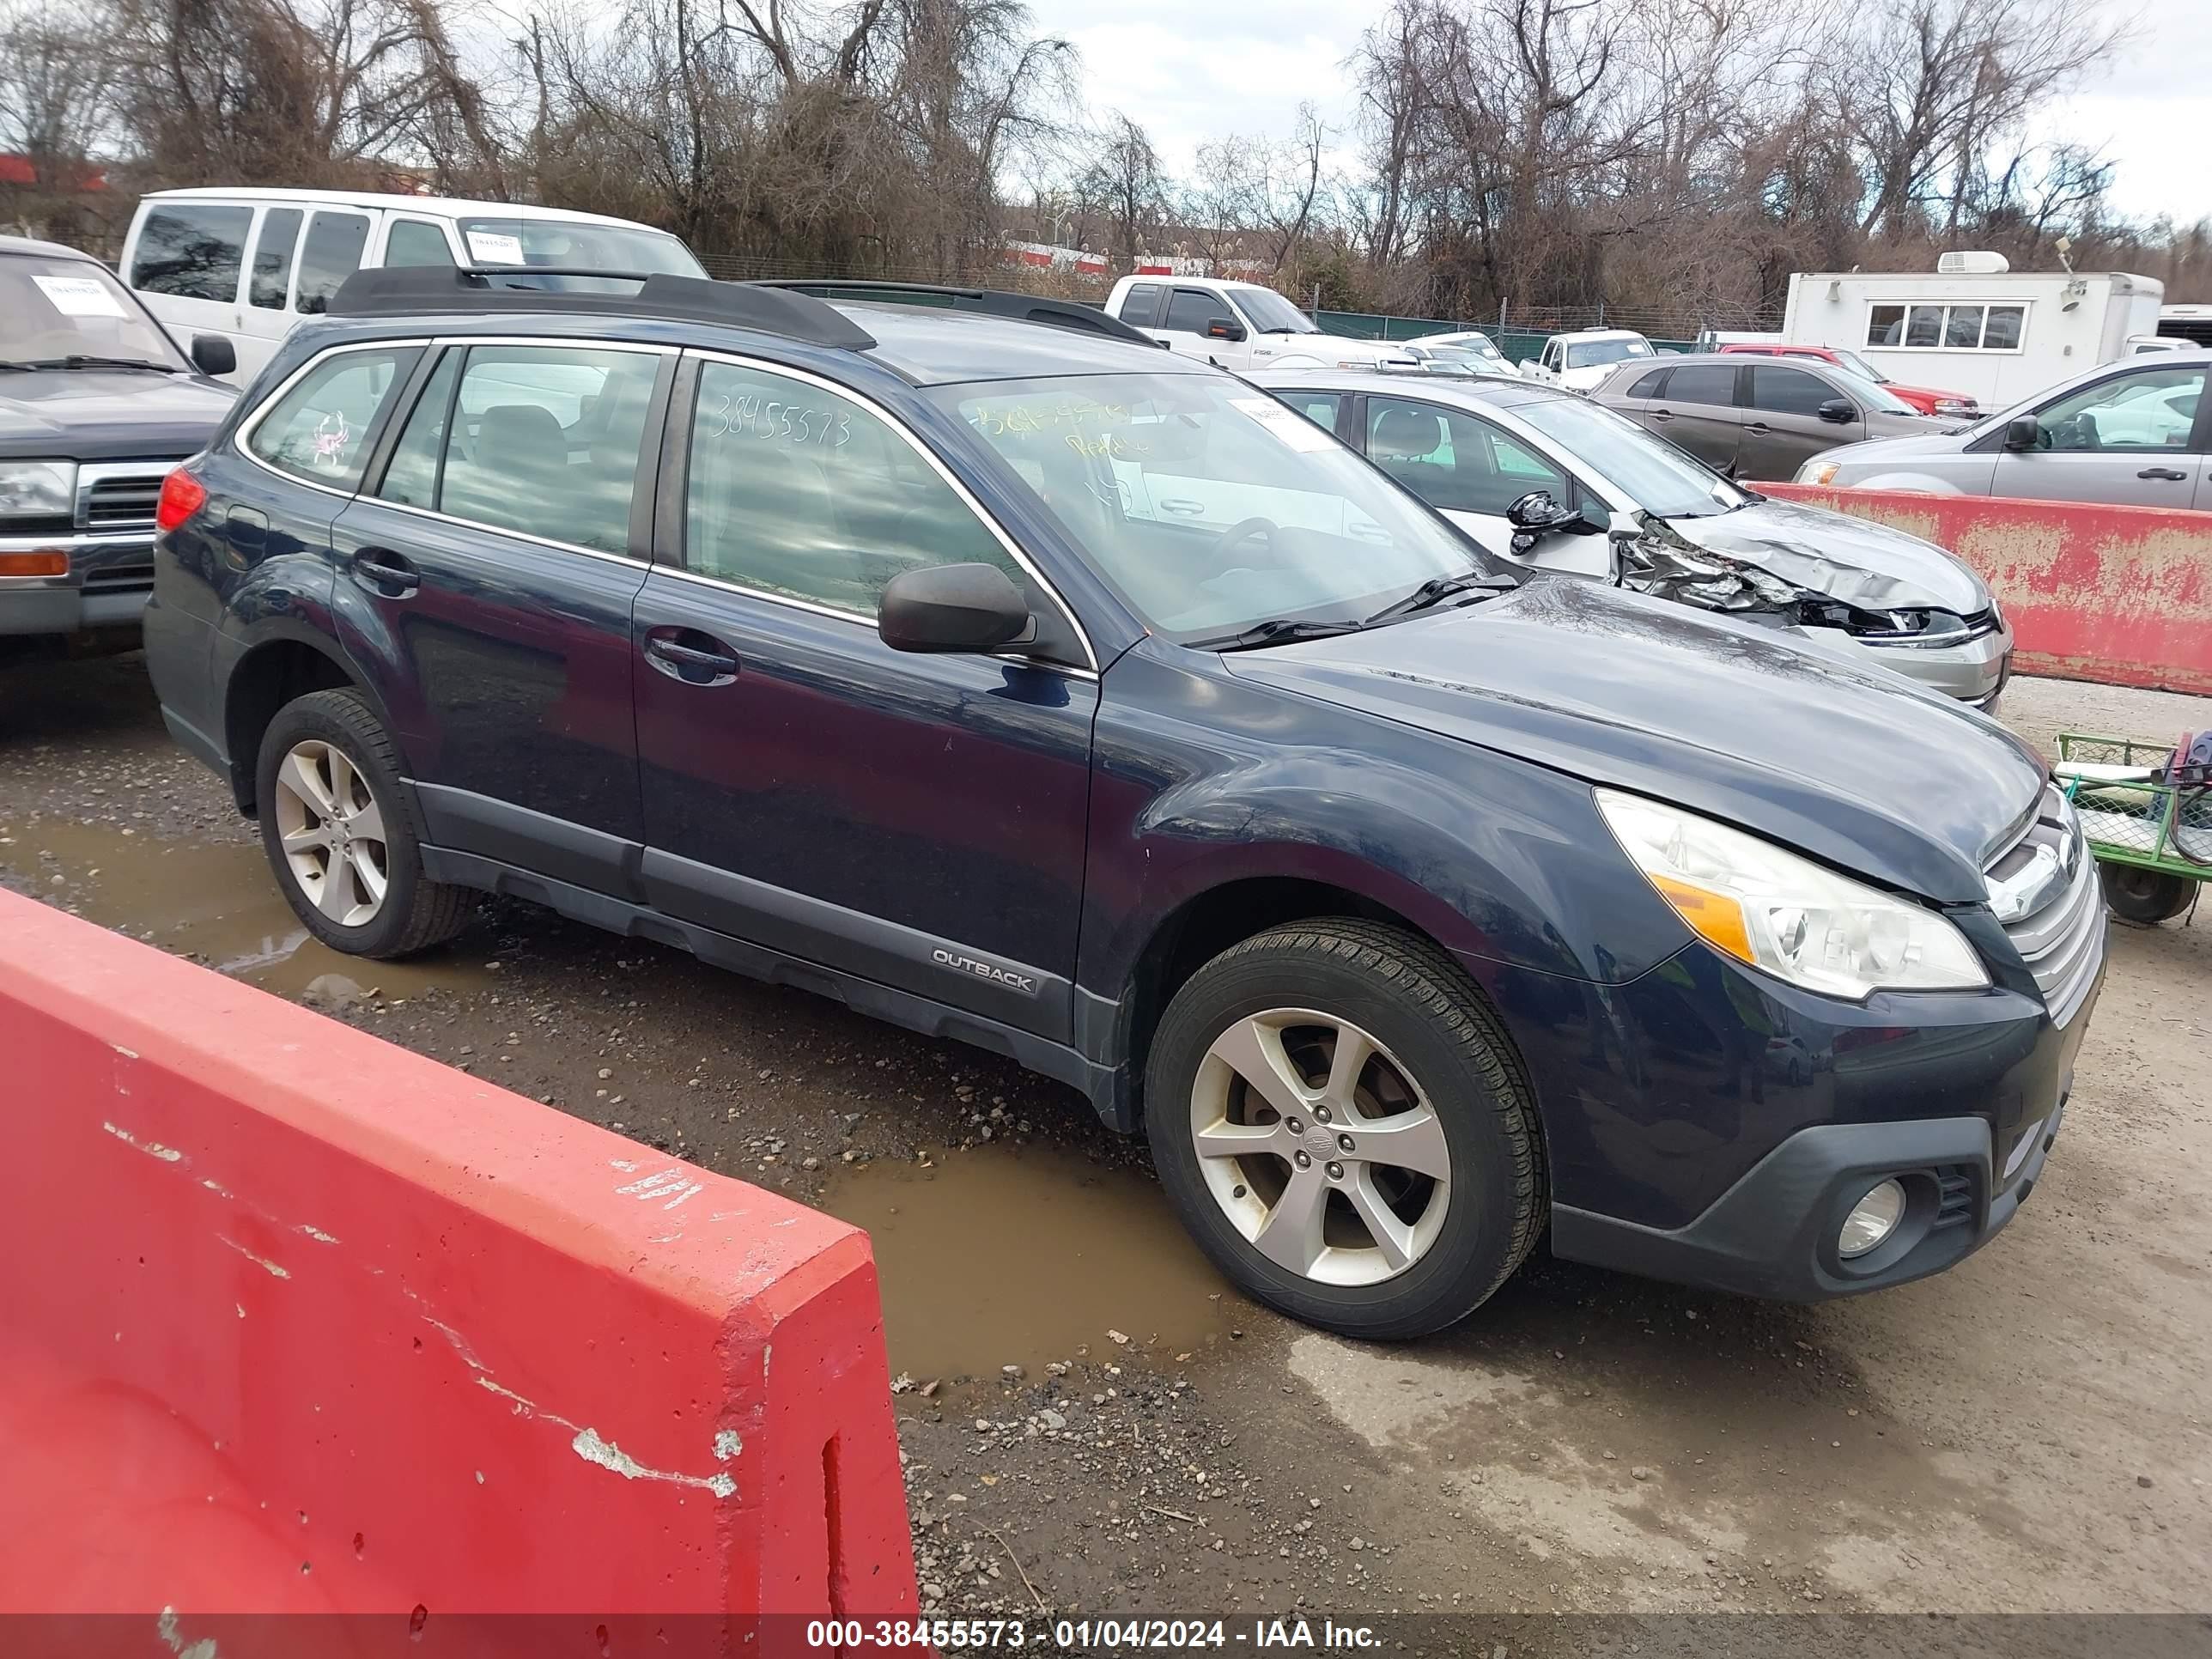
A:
x: 1974, y: 326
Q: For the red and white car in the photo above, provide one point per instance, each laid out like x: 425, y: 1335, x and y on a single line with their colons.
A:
x: 1929, y: 400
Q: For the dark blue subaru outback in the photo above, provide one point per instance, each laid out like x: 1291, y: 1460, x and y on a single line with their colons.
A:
x: 1005, y: 677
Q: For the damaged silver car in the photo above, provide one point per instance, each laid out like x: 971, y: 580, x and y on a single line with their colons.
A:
x: 1558, y: 482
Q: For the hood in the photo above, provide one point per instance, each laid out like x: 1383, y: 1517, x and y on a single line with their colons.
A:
x: 1588, y: 380
x: 1853, y: 560
x: 91, y: 414
x: 1923, y: 438
x: 1855, y: 765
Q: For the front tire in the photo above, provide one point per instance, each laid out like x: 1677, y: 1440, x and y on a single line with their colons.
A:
x: 341, y: 832
x: 1339, y: 1120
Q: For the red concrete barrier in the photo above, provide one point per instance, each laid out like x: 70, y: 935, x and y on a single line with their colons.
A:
x: 2122, y: 595
x: 295, y: 1320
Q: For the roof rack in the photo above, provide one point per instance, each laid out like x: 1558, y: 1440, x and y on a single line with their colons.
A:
x: 399, y: 290
x: 995, y: 302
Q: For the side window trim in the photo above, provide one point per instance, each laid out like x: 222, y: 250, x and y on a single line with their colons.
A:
x: 671, y: 526
x: 640, y: 551
x: 403, y: 410
x: 242, y: 440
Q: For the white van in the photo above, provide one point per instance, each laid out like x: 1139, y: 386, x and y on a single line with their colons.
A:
x: 1239, y: 326
x: 249, y: 264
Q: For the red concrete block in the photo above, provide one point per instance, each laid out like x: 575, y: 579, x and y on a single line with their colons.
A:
x: 297, y: 1321
x: 2120, y: 595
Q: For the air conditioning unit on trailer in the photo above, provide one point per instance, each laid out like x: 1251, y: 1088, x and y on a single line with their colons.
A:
x: 1971, y: 264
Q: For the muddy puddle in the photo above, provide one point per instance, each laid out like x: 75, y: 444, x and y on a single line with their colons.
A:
x: 216, y: 902
x: 996, y: 1257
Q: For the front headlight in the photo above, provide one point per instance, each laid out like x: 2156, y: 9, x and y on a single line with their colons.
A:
x: 1818, y: 472
x: 38, y: 490
x: 1786, y: 914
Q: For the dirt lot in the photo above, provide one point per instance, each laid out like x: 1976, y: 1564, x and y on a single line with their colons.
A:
x: 2028, y: 1432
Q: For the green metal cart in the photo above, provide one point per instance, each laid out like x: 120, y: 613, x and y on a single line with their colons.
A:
x: 2152, y: 841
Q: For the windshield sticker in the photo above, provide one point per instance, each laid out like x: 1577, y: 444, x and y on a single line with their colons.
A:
x: 1287, y: 423
x: 79, y: 297
x: 491, y: 247
x: 753, y: 417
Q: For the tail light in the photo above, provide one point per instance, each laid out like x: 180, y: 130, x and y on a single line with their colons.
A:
x: 182, y: 495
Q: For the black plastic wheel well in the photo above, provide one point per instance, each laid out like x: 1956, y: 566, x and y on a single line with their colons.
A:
x: 1209, y: 924
x: 266, y: 679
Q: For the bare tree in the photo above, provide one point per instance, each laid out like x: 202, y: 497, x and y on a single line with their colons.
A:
x: 58, y: 84
x: 1125, y: 183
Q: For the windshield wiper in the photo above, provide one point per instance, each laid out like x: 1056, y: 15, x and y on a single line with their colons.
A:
x: 1276, y: 630
x: 83, y: 362
x: 1436, y: 591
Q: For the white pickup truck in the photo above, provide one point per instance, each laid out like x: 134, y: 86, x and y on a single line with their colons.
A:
x: 1239, y: 326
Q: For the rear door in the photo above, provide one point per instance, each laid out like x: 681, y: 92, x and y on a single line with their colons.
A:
x: 914, y: 820
x: 1696, y: 411
x: 485, y: 585
x: 2137, y: 439
x: 1782, y: 422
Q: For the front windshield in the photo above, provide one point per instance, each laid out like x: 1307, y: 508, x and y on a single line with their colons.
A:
x: 1657, y: 477
x: 573, y: 243
x: 1271, y: 313
x: 1860, y: 367
x: 1872, y: 396
x: 1591, y: 353
x: 1209, y: 506
x: 51, y: 310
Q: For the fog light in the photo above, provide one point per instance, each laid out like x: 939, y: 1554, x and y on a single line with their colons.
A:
x: 1872, y: 1220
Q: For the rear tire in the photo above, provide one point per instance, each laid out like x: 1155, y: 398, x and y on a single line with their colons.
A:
x: 2146, y: 897
x: 343, y: 834
x: 1384, y: 1174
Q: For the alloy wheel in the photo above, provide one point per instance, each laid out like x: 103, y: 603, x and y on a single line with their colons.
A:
x: 1320, y: 1148
x: 331, y: 829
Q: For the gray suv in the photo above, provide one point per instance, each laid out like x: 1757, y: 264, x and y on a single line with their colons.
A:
x: 1748, y: 417
x: 2132, y: 434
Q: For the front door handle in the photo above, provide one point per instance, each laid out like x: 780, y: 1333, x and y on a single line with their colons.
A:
x: 386, y: 573
x: 2172, y: 475
x: 1758, y: 425
x: 711, y: 663
x: 1183, y: 508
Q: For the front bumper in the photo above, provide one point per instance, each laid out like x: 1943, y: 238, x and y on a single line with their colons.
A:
x: 109, y: 578
x: 1973, y: 673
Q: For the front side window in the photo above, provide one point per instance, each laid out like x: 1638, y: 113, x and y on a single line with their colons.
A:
x: 1190, y: 309
x: 416, y: 242
x: 192, y: 253
x: 2155, y: 410
x: 1319, y: 407
x: 1789, y: 391
x: 272, y: 258
x: 1661, y: 479
x: 795, y: 490
x: 1208, y: 505
x: 320, y: 430
x: 51, y: 310
x: 542, y: 441
x: 1457, y: 461
x: 331, y: 253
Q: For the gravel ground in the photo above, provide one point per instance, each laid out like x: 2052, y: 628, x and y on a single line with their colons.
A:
x: 2028, y: 1432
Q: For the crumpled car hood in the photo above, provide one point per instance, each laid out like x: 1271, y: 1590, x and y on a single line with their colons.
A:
x: 1840, y: 557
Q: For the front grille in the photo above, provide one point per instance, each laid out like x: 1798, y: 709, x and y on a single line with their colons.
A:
x: 120, y: 500
x: 2060, y: 929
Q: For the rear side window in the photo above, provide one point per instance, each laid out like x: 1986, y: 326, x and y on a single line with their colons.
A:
x: 1190, y: 309
x: 1141, y: 304
x: 192, y: 253
x: 1789, y: 391
x: 540, y: 439
x: 413, y: 242
x: 1319, y: 407
x: 1650, y: 384
x: 320, y: 430
x: 1711, y: 384
x: 330, y: 255
x: 272, y: 258
x: 795, y: 490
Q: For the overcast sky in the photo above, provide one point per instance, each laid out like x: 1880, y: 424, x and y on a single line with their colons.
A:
x: 1189, y: 70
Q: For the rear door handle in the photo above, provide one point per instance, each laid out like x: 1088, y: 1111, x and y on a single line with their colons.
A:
x: 713, y: 663
x: 387, y: 572
x: 1662, y: 415
x: 2170, y: 474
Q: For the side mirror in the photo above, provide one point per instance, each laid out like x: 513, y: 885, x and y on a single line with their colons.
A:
x: 214, y: 355
x: 2023, y: 431
x: 1536, y: 512
x: 952, y: 608
x: 1221, y: 328
x: 1842, y: 410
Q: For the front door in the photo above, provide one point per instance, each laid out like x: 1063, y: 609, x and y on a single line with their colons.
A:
x: 1198, y: 323
x: 2134, y: 440
x: 485, y: 586
x: 1696, y: 411
x: 1472, y: 471
x: 914, y: 820
x: 1783, y: 426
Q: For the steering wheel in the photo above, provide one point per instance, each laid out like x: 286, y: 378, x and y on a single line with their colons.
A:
x: 1242, y: 529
